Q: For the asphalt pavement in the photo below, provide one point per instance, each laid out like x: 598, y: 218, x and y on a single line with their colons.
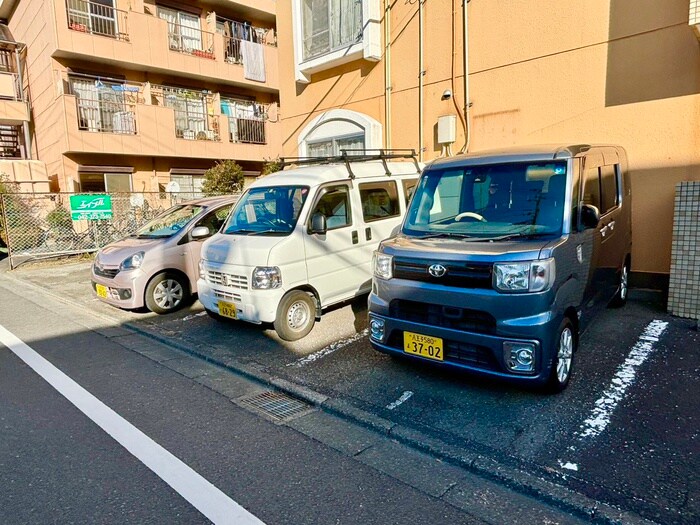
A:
x: 620, y: 443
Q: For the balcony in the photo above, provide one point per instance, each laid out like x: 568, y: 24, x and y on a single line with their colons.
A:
x: 161, y: 131
x: 133, y: 40
x: 97, y: 19
x: 13, y: 109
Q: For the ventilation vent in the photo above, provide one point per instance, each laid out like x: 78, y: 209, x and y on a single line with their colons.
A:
x: 275, y: 405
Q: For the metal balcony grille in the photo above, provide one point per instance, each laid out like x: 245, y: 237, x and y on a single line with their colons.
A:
x: 98, y: 19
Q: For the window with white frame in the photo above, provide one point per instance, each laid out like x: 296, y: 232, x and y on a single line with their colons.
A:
x: 337, y: 130
x: 328, y: 33
x: 328, y: 25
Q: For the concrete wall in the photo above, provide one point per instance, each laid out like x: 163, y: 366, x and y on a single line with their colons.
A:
x: 618, y: 71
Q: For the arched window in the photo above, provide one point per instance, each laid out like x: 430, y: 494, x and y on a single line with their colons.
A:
x: 339, y: 129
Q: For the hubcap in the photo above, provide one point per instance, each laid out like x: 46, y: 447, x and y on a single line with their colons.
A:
x: 623, y: 283
x: 564, y: 355
x: 168, y: 294
x: 298, y: 315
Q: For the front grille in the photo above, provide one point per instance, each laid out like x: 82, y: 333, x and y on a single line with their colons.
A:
x: 443, y: 316
x: 456, y: 352
x: 109, y: 273
x: 227, y: 279
x: 227, y: 296
x: 459, y: 275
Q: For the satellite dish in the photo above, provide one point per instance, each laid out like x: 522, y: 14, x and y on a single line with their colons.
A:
x: 172, y: 187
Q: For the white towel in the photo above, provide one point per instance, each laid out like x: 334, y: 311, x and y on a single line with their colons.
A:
x: 253, y: 61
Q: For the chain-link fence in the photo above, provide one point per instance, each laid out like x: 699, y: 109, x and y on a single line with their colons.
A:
x: 39, y: 225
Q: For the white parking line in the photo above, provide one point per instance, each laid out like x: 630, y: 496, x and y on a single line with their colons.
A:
x: 193, y: 316
x: 625, y: 376
x: 199, y: 492
x: 400, y: 401
x: 329, y: 349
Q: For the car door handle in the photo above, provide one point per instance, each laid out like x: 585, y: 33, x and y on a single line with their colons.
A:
x: 611, y: 225
x: 355, y: 237
x: 368, y: 234
x: 604, y: 230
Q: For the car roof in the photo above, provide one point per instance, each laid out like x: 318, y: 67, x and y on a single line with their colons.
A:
x: 520, y: 153
x: 324, y: 173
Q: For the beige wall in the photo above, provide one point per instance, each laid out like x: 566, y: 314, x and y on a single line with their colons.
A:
x: 617, y: 71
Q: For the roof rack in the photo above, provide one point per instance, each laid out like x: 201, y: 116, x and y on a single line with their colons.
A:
x: 348, y: 156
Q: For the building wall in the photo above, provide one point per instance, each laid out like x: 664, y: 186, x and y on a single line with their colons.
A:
x: 615, y: 71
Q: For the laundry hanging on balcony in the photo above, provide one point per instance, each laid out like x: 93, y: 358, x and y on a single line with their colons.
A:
x: 253, y: 61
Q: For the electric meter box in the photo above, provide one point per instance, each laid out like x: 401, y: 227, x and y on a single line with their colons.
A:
x: 447, y: 129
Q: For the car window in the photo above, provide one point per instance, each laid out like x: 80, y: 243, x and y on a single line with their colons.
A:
x: 591, y: 187
x: 380, y: 200
x: 409, y: 187
x: 215, y: 219
x: 608, y: 184
x: 334, y: 204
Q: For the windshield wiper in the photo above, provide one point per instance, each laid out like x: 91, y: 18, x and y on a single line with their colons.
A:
x: 446, y: 235
x: 511, y: 236
x: 253, y: 232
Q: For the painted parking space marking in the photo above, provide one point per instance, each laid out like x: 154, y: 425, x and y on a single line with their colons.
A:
x: 193, y: 316
x: 624, y: 378
x: 194, y: 488
x: 329, y: 349
x: 400, y: 401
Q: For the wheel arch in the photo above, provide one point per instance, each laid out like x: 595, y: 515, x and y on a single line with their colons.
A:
x: 313, y: 292
x: 175, y: 271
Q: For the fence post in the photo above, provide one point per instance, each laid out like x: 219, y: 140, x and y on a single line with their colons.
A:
x: 3, y: 207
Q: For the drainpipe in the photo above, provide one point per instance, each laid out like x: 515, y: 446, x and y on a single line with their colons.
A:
x: 421, y: 72
x: 465, y: 31
x: 387, y: 74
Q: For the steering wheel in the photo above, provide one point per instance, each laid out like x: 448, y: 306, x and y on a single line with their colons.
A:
x: 471, y: 215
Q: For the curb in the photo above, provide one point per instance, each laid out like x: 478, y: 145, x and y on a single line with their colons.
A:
x: 516, y: 479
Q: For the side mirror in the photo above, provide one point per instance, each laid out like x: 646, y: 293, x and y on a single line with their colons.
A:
x: 318, y: 224
x: 590, y: 216
x: 200, y: 232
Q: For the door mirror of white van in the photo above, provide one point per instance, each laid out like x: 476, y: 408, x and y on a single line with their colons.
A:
x: 590, y: 216
x: 200, y: 232
x: 318, y: 224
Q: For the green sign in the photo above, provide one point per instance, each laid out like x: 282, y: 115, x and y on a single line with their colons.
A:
x: 91, y: 207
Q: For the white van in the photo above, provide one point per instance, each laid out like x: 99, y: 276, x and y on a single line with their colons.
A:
x: 302, y: 239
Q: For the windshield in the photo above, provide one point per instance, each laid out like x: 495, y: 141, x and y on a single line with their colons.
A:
x: 495, y: 201
x: 169, y: 223
x: 272, y: 210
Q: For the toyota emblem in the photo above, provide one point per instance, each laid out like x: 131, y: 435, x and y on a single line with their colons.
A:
x: 437, y: 270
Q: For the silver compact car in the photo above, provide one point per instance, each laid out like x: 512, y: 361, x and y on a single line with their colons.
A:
x: 157, y: 267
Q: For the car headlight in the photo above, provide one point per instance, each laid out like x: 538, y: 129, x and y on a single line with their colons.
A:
x: 382, y: 264
x: 267, y: 277
x: 531, y: 276
x: 133, y: 262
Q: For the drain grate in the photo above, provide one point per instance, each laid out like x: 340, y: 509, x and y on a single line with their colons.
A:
x: 276, y: 405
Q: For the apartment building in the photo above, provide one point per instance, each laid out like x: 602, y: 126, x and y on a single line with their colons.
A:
x: 144, y: 95
x: 379, y: 73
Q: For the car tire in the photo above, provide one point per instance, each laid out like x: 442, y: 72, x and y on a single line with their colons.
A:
x: 296, y: 315
x: 621, y: 295
x: 166, y: 292
x: 563, y: 362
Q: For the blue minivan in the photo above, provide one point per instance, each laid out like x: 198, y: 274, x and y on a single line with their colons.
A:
x: 502, y: 259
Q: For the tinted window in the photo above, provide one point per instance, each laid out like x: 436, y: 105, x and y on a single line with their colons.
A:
x: 334, y: 204
x: 409, y: 187
x: 608, y: 183
x: 380, y: 200
x: 215, y: 219
x: 591, y: 188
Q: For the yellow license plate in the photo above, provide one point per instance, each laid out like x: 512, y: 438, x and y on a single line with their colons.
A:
x: 423, y: 345
x: 101, y: 291
x: 227, y: 310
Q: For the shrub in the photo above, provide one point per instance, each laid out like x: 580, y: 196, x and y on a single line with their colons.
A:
x: 271, y: 166
x: 225, y: 177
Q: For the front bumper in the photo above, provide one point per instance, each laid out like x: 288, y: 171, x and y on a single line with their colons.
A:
x: 124, y: 290
x: 254, y: 306
x: 475, y: 340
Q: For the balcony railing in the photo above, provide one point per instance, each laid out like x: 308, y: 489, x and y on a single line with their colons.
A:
x: 106, y: 116
x: 11, y: 142
x: 246, y: 130
x: 10, y: 87
x: 191, y: 40
x: 97, y: 19
x: 194, y: 113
